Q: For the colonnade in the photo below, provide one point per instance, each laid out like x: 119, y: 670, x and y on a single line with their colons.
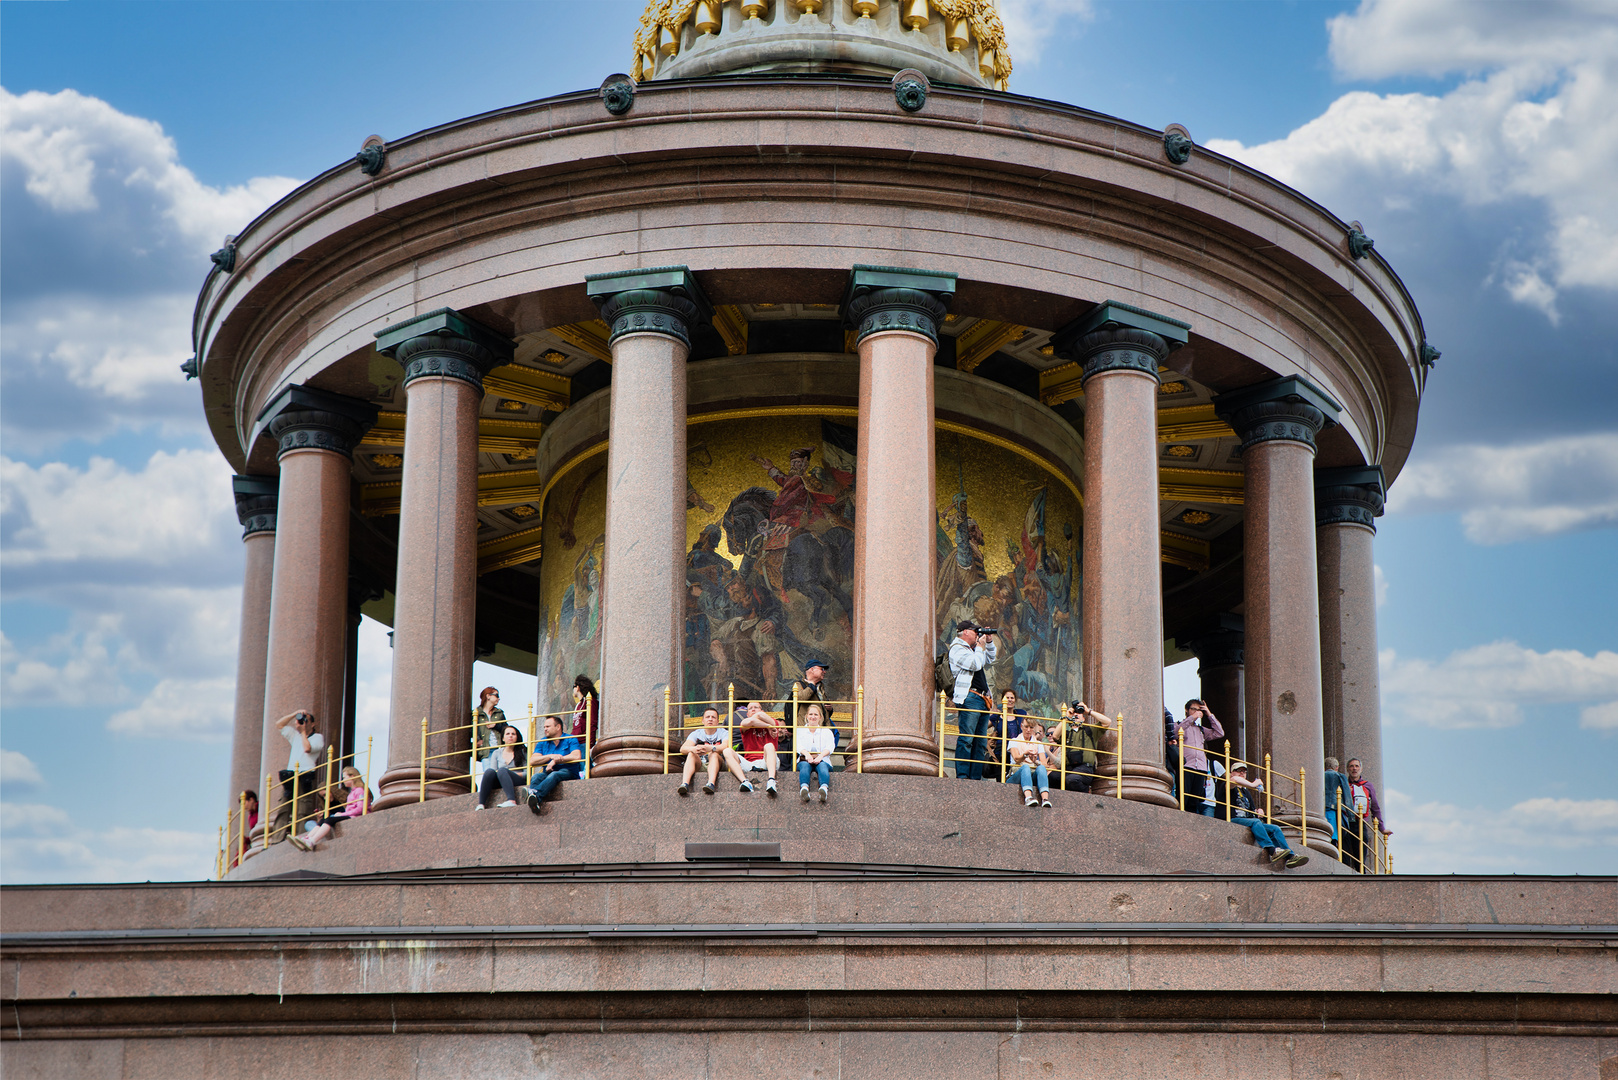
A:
x: 1308, y: 589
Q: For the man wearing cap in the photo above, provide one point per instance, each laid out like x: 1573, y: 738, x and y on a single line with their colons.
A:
x: 972, y: 650
x: 1242, y: 812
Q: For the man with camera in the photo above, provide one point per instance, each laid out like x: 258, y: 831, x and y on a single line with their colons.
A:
x: 303, y: 760
x: 1198, y: 729
x: 972, y: 650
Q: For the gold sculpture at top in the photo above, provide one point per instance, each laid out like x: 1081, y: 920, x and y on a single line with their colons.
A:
x: 663, y: 25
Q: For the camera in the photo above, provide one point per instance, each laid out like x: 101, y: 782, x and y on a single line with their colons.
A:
x: 988, y: 631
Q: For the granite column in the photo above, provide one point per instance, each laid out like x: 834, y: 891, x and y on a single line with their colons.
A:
x: 1121, y: 349
x: 1347, y: 504
x: 895, y: 315
x: 255, y: 509
x: 651, y: 314
x: 316, y: 432
x: 1277, y: 422
x: 445, y: 356
x: 1218, y: 646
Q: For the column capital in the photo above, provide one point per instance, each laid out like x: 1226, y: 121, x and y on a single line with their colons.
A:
x: 303, y: 418
x: 662, y: 300
x: 1219, y: 641
x: 1120, y: 337
x: 444, y: 343
x: 880, y: 298
x: 1289, y: 409
x: 255, y: 502
x: 1350, y: 496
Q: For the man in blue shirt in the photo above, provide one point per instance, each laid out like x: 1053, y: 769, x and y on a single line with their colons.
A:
x: 560, y: 758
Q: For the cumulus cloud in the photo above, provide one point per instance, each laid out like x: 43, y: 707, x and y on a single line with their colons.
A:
x: 42, y: 844
x: 1486, y: 686
x: 1534, y: 836
x: 193, y: 709
x: 1600, y: 717
x: 1532, y: 121
x: 16, y: 769
x: 107, y: 241
x: 1510, y: 493
x: 1031, y: 24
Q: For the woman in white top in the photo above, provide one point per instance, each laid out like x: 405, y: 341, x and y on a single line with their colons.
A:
x: 1030, y: 758
x: 815, y: 745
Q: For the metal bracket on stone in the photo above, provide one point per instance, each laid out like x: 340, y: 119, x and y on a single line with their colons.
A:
x: 372, y: 156
x: 910, y: 89
x: 1359, y: 245
x: 225, y: 257
x: 618, y: 93
x: 1177, y: 144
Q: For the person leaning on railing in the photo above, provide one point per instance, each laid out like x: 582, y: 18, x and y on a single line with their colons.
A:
x: 357, y: 803
x: 503, y: 769
x: 1239, y: 790
x: 1360, y: 810
x: 305, y: 743
x: 561, y: 757
x: 996, y: 737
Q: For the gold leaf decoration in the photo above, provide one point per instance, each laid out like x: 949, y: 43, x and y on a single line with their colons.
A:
x: 387, y: 461
x: 1172, y: 388
x: 1181, y: 451
x: 523, y: 511
x: 1196, y: 517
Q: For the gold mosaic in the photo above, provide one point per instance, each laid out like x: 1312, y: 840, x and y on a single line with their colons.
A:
x: 510, y: 405
x: 553, y: 356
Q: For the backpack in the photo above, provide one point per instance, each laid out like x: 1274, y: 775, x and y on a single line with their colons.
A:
x: 943, y: 674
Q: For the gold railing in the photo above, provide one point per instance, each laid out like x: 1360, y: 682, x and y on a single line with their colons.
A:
x: 673, y: 710
x: 474, y: 751
x: 236, y: 837
x: 943, y: 727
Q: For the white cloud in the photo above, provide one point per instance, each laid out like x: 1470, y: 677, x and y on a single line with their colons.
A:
x: 1031, y: 24
x: 42, y: 844
x: 1534, y: 123
x: 1487, y: 685
x: 1534, y: 836
x: 191, y: 709
x: 123, y: 347
x: 1600, y: 717
x: 177, y: 508
x: 17, y: 769
x: 1511, y: 493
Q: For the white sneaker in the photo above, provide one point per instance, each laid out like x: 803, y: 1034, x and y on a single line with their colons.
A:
x: 503, y: 805
x: 479, y: 806
x: 822, y: 792
x: 1028, y: 799
x: 803, y: 792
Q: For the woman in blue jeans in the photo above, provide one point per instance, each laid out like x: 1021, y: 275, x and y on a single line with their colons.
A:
x: 1030, y: 763
x: 1270, y: 837
x: 815, y: 745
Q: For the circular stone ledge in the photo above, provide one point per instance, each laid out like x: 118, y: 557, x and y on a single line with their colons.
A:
x: 870, y: 819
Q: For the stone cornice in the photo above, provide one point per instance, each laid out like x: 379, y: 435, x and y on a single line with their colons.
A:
x: 303, y: 418
x: 1281, y: 410
x: 1350, y: 496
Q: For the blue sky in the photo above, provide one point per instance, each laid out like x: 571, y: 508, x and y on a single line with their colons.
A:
x: 1475, y: 141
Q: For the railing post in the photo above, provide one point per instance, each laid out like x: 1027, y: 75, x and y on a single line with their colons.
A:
x: 1303, y: 808
x: 422, y: 790
x: 1268, y: 789
x: 859, y: 728
x: 1227, y: 780
x: 219, y: 859
x: 368, y: 740
x: 730, y: 714
x: 1119, y: 793
x: 1061, y: 764
x: 266, y: 809
x: 1376, y: 841
x: 297, y: 773
x: 665, y: 731
x: 241, y: 827
x: 1182, y: 769
x: 940, y: 734
x: 331, y: 751
x: 1005, y: 740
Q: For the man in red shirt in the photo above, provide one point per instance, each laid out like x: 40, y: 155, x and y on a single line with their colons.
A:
x: 761, y: 735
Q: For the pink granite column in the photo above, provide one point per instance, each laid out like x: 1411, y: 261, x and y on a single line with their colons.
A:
x: 651, y: 313
x: 1219, y: 647
x: 1277, y: 422
x: 445, y: 356
x: 317, y: 432
x: 1121, y: 349
x: 1347, y: 503
x: 255, y: 509
x: 895, y: 315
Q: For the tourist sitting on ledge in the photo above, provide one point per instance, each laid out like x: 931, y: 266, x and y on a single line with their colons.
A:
x: 1030, y: 757
x: 1243, y: 812
x: 559, y: 757
x: 711, y: 745
x: 761, y: 740
x: 358, y: 802
x: 503, y: 768
x: 815, y: 745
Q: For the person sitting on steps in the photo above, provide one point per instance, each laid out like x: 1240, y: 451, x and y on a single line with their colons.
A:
x: 815, y: 745
x: 561, y: 758
x: 711, y: 745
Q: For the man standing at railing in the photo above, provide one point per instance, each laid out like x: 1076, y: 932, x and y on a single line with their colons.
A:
x: 1364, y: 810
x: 1198, y: 729
x: 812, y: 687
x: 559, y: 756
x: 972, y: 650
x: 298, y: 729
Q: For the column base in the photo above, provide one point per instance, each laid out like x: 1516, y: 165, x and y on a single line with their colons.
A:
x: 891, y: 752
x: 401, y: 785
x: 1143, y: 782
x: 629, y: 755
x: 1319, y: 834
